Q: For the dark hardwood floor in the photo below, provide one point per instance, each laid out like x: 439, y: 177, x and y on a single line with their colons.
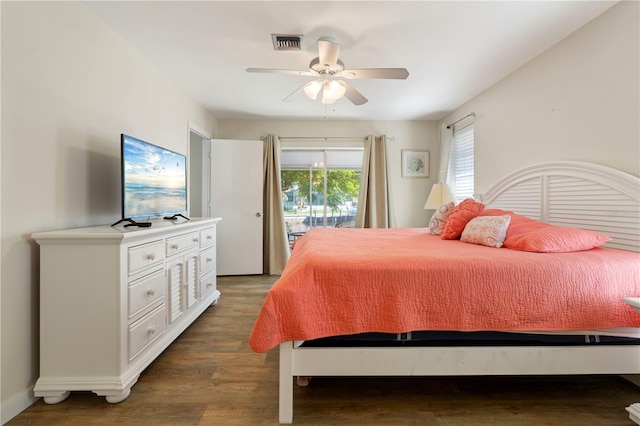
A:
x: 210, y: 376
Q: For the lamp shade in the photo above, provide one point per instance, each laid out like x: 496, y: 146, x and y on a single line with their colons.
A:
x: 327, y: 97
x: 440, y: 194
x: 332, y: 90
x: 312, y: 88
x: 337, y: 89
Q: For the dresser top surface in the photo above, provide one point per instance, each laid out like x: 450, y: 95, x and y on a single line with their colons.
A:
x: 120, y: 232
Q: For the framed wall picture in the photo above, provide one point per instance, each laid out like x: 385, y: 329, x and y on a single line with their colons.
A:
x: 415, y: 164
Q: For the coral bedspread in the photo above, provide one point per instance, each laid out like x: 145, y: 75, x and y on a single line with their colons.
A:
x: 348, y: 281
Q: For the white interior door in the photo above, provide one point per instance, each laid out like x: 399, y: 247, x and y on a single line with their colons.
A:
x: 236, y: 197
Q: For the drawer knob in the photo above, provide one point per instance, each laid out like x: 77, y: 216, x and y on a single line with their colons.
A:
x: 174, y: 246
x: 209, y: 237
x: 195, y: 239
x: 152, y: 329
x: 209, y: 284
x: 151, y: 256
x: 209, y: 259
x: 151, y: 292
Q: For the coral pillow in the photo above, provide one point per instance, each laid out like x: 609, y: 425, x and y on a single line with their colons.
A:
x: 519, y: 224
x: 439, y: 217
x: 486, y: 230
x: 459, y: 217
x: 556, y: 239
x: 541, y: 237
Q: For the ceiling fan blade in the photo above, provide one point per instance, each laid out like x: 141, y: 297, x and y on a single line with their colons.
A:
x: 328, y: 52
x: 353, y: 95
x: 279, y: 71
x: 390, y: 73
x: 296, y: 95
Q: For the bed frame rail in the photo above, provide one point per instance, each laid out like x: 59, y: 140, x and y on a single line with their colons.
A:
x: 449, y: 361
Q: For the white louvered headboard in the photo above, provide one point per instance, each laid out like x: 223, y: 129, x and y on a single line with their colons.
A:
x: 576, y: 194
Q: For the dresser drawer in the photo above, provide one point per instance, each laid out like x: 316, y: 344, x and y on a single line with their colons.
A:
x: 145, y: 255
x: 208, y: 237
x: 182, y: 242
x: 207, y: 260
x: 145, y: 293
x: 207, y: 284
x: 146, y: 330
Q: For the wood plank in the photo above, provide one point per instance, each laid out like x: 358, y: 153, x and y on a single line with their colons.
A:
x: 210, y: 376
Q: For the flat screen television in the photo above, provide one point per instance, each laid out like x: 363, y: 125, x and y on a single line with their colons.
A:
x: 154, y: 182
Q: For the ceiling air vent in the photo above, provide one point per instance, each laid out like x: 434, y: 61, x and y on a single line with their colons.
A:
x: 286, y: 42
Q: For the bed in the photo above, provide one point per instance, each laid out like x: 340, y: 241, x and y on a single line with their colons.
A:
x: 454, y: 308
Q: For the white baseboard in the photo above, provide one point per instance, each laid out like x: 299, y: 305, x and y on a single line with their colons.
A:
x: 14, y: 406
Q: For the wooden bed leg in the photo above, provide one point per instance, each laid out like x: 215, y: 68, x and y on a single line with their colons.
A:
x: 286, y: 382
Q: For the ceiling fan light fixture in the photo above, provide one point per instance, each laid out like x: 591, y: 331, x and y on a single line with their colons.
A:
x: 312, y: 88
x: 333, y: 90
x: 326, y: 98
x: 337, y: 89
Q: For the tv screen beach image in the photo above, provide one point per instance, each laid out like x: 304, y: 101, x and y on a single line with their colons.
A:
x: 154, y: 180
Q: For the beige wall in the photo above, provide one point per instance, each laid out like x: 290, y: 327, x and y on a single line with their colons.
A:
x: 409, y: 194
x: 577, y: 101
x: 70, y: 86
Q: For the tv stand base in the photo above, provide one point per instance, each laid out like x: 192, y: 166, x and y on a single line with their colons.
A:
x: 176, y: 216
x: 132, y: 223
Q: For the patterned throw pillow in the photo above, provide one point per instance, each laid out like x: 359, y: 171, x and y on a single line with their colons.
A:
x: 459, y: 217
x: 488, y: 231
x: 439, y: 217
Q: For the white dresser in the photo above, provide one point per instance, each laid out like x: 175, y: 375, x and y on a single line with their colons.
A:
x: 113, y: 298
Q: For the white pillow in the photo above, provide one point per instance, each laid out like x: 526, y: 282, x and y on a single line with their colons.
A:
x: 440, y: 217
x: 486, y: 230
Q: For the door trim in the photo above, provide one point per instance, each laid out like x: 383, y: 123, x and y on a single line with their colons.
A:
x: 204, y: 167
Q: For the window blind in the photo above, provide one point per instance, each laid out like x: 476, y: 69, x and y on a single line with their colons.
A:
x: 462, y: 160
x: 345, y: 159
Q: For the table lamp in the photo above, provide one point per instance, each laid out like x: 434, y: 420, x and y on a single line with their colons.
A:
x: 440, y: 194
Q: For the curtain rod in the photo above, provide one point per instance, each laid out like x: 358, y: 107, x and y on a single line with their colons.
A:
x: 324, y: 138
x: 471, y: 114
x: 320, y: 138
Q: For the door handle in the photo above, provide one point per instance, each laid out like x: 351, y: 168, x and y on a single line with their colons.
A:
x: 258, y: 214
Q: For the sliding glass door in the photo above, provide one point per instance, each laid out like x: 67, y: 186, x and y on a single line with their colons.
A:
x: 320, y: 188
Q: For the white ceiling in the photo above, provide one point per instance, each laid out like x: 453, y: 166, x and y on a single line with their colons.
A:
x: 453, y: 50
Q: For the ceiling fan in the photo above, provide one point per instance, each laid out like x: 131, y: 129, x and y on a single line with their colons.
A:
x: 329, y: 72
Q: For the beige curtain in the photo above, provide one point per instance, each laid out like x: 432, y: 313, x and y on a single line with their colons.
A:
x: 446, y: 136
x: 374, y: 206
x: 275, y: 241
